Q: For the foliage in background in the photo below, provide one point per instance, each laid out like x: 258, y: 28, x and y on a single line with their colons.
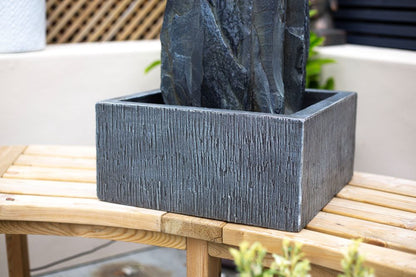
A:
x: 353, y: 263
x: 314, y: 65
x: 249, y: 261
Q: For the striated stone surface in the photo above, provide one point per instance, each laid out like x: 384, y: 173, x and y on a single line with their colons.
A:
x: 296, y: 53
x: 233, y: 54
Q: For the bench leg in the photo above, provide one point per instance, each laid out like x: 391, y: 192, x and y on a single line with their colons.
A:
x: 17, y: 255
x: 198, y: 262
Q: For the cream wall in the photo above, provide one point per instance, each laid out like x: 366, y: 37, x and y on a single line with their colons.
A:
x: 385, y: 80
x: 49, y: 96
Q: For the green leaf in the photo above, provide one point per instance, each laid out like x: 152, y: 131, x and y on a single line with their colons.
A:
x: 313, y: 69
x: 151, y: 66
x: 353, y: 262
x: 315, y: 41
x: 314, y: 65
x: 330, y: 84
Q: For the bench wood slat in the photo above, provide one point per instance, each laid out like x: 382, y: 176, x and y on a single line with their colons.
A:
x: 48, y: 188
x: 8, y: 154
x: 51, y: 190
x: 372, y: 213
x: 93, y: 231
x: 384, y: 183
x: 323, y: 249
x: 371, y: 233
x: 87, y: 152
x: 193, y: 227
x: 61, y: 162
x: 385, y: 199
x: 77, y: 210
x: 51, y: 174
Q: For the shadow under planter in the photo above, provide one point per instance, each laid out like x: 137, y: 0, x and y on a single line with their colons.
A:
x: 269, y: 170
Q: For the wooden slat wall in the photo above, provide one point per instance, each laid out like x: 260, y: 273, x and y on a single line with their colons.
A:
x: 72, y: 21
x: 385, y: 23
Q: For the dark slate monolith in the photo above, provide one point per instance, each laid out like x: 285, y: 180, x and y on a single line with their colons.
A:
x: 233, y: 54
x: 295, y: 53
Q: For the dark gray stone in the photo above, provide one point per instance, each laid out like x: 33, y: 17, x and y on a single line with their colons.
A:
x: 269, y: 170
x: 295, y: 53
x: 235, y: 54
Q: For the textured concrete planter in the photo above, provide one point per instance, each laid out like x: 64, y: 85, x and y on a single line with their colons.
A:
x: 274, y: 171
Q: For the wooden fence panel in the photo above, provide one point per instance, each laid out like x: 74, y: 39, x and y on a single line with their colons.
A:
x: 111, y: 20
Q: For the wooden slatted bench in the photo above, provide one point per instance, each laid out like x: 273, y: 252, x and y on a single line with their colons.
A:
x: 50, y: 190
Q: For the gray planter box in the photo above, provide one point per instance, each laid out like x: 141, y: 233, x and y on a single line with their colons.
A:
x: 274, y: 171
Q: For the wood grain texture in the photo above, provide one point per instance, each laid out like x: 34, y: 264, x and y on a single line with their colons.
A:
x: 386, y: 223
x: 133, y: 24
x: 87, y: 21
x: 105, y: 20
x: 77, y: 210
x: 61, y: 162
x: 199, y: 262
x: 372, y: 213
x: 384, y: 183
x: 53, y: 14
x: 64, y: 35
x: 121, y: 20
x: 65, y: 18
x: 93, y: 231
x: 222, y: 251
x: 371, y: 233
x: 324, y: 250
x: 192, y: 227
x: 48, y: 188
x: 51, y: 174
x: 157, y: 27
x: 320, y: 271
x: 86, y: 152
x: 100, y: 12
x: 152, y: 22
x: 17, y: 255
x: 8, y: 154
x: 380, y: 198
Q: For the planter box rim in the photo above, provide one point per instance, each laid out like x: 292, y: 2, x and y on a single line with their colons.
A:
x: 301, y: 115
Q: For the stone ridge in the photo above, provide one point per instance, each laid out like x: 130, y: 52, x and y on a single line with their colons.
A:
x: 234, y: 54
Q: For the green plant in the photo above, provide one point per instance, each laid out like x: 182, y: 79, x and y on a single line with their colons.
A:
x: 314, y: 65
x: 353, y: 263
x: 249, y: 261
x: 151, y: 66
